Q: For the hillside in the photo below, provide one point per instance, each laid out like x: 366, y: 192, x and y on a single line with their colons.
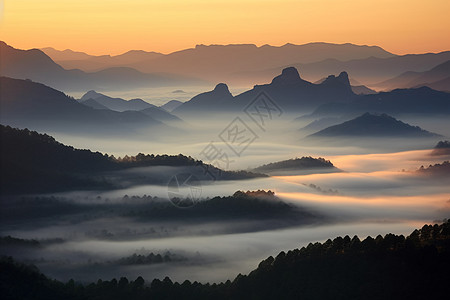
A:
x: 29, y: 104
x: 369, y: 125
x: 36, y: 65
x: 393, y: 266
x: 421, y: 101
x: 304, y: 165
x: 34, y: 163
x: 428, y: 78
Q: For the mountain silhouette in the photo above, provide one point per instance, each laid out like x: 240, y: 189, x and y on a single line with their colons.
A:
x: 218, y: 100
x: 36, y: 65
x: 368, y: 71
x: 29, y: 104
x: 117, y: 104
x: 423, y: 101
x: 441, y: 148
x: 434, y: 78
x: 221, y: 63
x: 287, y: 90
x: 370, y: 125
x: 69, y: 59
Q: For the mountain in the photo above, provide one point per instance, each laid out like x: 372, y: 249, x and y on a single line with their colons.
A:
x: 438, y: 170
x: 441, y: 148
x: 385, y: 267
x: 29, y: 104
x: 117, y: 104
x: 36, y: 163
x: 221, y: 62
x: 369, y: 71
x: 357, y: 87
x: 362, y: 90
x: 217, y: 100
x: 422, y: 101
x: 304, y: 165
x: 288, y: 91
x: 36, y: 65
x: 69, y: 59
x: 411, y: 79
x: 171, y: 105
x: 369, y: 125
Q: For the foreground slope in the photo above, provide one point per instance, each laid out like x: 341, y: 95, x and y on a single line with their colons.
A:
x: 389, y: 267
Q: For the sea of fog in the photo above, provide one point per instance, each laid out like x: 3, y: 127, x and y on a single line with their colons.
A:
x: 374, y: 194
x: 377, y: 191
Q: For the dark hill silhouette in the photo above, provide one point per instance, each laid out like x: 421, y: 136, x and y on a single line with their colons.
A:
x: 357, y: 87
x: 28, y: 104
x: 441, y: 148
x: 393, y: 266
x: 288, y: 90
x: 417, y: 79
x: 369, y: 125
x: 424, y: 101
x: 117, y: 104
x: 36, y: 65
x: 218, y: 100
x: 304, y: 165
x: 34, y: 163
x: 440, y: 170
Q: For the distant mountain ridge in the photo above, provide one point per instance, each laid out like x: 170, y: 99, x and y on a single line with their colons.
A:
x: 437, y: 78
x: 288, y: 90
x: 219, y: 62
x: 117, y: 104
x: 422, y: 101
x: 29, y: 104
x: 369, y: 125
x: 36, y: 65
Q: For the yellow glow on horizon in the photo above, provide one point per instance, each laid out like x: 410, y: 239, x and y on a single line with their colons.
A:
x: 113, y: 26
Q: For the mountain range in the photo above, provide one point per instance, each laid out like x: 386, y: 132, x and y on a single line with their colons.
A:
x: 288, y: 91
x: 221, y: 62
x: 36, y: 65
x: 437, y: 78
x: 25, y: 103
x: 241, y: 64
x: 420, y: 101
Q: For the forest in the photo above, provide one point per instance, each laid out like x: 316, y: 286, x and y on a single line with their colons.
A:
x: 389, y: 267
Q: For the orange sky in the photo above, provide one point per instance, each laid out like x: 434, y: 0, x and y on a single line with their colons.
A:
x: 113, y: 26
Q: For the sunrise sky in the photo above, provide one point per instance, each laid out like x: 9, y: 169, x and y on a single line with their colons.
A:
x: 113, y: 26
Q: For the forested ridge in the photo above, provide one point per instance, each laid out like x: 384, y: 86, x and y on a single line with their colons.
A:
x: 389, y: 267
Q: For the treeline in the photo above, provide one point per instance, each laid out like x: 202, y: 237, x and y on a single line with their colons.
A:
x: 436, y: 169
x: 389, y: 267
x: 139, y: 259
x: 304, y: 163
x: 33, y: 163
